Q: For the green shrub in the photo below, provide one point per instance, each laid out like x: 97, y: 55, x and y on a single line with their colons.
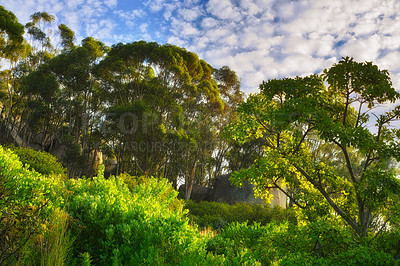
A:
x: 56, y: 242
x: 127, y: 220
x: 217, y: 215
x: 28, y: 203
x: 239, y: 239
x: 42, y: 162
x: 318, y: 243
x: 145, y: 224
x: 132, y: 181
x: 112, y: 224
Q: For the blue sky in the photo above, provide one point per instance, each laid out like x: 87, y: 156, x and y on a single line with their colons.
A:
x: 259, y: 39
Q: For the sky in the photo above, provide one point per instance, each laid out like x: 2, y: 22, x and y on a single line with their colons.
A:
x: 258, y: 39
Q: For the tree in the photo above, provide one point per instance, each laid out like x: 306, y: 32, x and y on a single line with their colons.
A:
x: 32, y: 93
x: 79, y: 103
x: 39, y: 30
x: 11, y: 33
x: 162, y: 102
x: 67, y: 37
x: 229, y: 87
x: 13, y: 47
x: 302, y: 121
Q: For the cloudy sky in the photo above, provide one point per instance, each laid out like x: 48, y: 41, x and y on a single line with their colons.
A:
x: 259, y: 39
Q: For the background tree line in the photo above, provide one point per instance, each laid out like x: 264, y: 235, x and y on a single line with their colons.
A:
x: 155, y: 110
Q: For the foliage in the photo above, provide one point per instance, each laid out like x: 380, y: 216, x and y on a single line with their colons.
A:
x: 11, y: 33
x: 132, y: 181
x: 218, y: 215
x: 30, y: 207
x: 318, y: 148
x: 72, y: 156
x: 141, y: 225
x: 56, y: 242
x: 158, y: 109
x: 284, y: 244
x: 42, y: 162
x: 174, y: 137
x: 110, y: 224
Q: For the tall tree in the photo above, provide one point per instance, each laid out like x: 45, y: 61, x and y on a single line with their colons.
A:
x: 297, y: 116
x: 172, y: 98
x: 13, y: 47
x: 80, y: 101
x: 39, y: 29
x: 229, y: 87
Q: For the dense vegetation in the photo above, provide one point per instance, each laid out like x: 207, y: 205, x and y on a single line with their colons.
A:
x: 154, y: 110
x: 320, y: 147
x: 217, y: 215
x: 126, y: 123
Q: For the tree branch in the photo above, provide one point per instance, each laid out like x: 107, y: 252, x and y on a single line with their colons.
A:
x: 344, y: 215
x: 348, y: 162
x: 302, y: 139
x: 289, y: 196
x: 380, y: 230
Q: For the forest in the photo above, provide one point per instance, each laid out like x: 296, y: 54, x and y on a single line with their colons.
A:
x: 95, y: 142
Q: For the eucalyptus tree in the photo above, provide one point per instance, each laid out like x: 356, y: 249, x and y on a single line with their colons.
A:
x: 40, y: 91
x: 67, y: 37
x: 161, y: 100
x: 40, y: 31
x: 33, y: 88
x: 229, y: 87
x: 79, y: 102
x: 296, y: 117
x: 13, y: 47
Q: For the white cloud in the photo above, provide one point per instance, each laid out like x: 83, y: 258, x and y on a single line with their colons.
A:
x: 74, y: 3
x: 253, y: 8
x: 176, y: 41
x: 362, y: 49
x: 100, y: 29
x: 184, y: 28
x: 390, y: 61
x: 189, y: 14
x: 129, y: 17
x: 223, y: 9
x: 143, y: 27
x: 208, y: 23
x: 396, y: 80
x: 254, y: 80
x: 155, y: 5
x: 111, y: 3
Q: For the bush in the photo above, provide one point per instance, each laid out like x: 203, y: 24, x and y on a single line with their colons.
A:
x: 217, y: 215
x: 145, y: 224
x: 240, y: 239
x: 111, y: 223
x: 42, y: 162
x: 132, y: 181
x: 317, y: 243
x: 29, y: 203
